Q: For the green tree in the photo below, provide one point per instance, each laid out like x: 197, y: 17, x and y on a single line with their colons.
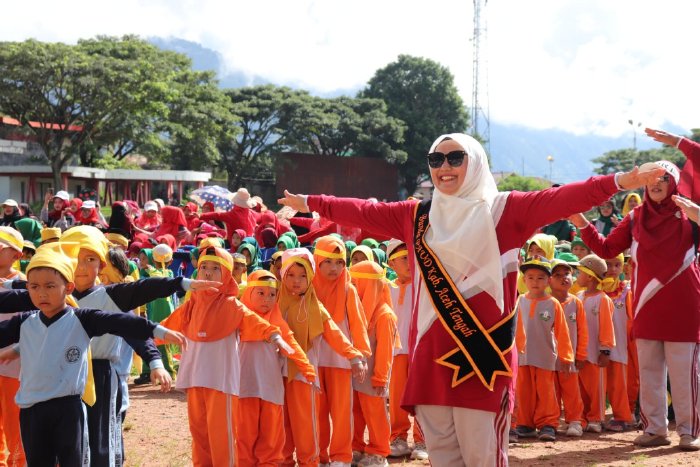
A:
x: 44, y: 83
x: 625, y: 159
x: 111, y: 97
x: 515, y: 182
x: 260, y: 130
x: 346, y: 126
x: 422, y: 94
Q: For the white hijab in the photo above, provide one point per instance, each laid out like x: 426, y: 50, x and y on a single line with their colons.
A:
x: 462, y: 232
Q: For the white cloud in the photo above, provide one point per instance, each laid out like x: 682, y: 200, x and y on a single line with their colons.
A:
x: 584, y: 67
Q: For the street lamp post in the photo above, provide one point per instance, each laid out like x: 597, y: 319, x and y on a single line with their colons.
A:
x: 551, y: 163
x: 634, y: 132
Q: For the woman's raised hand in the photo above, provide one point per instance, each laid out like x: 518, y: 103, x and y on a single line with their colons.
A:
x: 296, y: 202
x: 663, y: 137
x: 691, y: 209
x: 636, y: 178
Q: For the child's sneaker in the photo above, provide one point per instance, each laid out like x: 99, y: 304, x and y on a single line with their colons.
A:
x: 575, y: 429
x: 420, y: 452
x: 512, y: 436
x: 525, y: 431
x: 617, y: 426
x: 547, y: 433
x: 373, y: 460
x: 594, y: 427
x: 357, y: 457
x: 399, y: 448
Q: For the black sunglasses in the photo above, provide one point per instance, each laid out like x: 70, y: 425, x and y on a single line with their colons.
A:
x: 454, y: 158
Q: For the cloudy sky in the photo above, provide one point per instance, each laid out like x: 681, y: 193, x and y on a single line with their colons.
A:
x: 579, y: 66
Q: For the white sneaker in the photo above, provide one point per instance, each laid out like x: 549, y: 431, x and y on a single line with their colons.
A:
x: 339, y: 464
x: 419, y: 453
x: 373, y: 460
x: 594, y: 427
x: 574, y: 429
x: 399, y: 448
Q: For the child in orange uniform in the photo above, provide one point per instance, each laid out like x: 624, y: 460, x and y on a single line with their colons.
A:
x: 261, y: 397
x: 310, y: 323
x: 542, y: 339
x: 210, y: 320
x: 370, y: 408
x: 601, y: 340
x: 616, y: 372
x: 402, y: 301
x: 339, y: 297
x: 11, y: 244
x: 566, y: 380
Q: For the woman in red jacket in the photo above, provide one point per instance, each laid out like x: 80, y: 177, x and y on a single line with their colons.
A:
x: 666, y: 295
x: 464, y: 244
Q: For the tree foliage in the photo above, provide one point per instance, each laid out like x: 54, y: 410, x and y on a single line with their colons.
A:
x: 346, y: 126
x: 622, y: 160
x: 422, y: 94
x: 125, y: 95
x: 272, y: 119
x: 515, y: 182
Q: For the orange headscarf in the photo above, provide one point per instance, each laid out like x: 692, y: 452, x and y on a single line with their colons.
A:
x: 332, y: 293
x: 209, y: 314
x: 373, y: 290
x: 262, y: 278
x: 304, y: 314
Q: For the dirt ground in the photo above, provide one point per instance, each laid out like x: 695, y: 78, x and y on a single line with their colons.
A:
x: 156, y: 434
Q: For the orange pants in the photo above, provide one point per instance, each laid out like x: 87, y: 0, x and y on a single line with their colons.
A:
x: 370, y: 412
x: 260, y: 433
x: 592, y: 383
x: 400, y: 423
x: 537, y: 404
x: 300, y: 424
x: 335, y: 401
x: 9, y: 418
x: 569, y: 393
x: 632, y: 375
x: 616, y: 390
x: 212, y: 417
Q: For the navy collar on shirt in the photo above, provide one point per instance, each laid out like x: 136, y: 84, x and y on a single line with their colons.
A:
x: 49, y: 321
x: 79, y: 295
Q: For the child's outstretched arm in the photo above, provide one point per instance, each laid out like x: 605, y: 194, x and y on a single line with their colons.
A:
x: 130, y: 295
x: 12, y: 301
x: 338, y: 342
x: 299, y: 356
x: 10, y: 329
x: 97, y: 323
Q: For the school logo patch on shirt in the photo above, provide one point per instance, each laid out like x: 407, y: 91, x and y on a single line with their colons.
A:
x: 73, y: 354
x: 545, y: 315
x: 572, y: 317
x: 619, y: 304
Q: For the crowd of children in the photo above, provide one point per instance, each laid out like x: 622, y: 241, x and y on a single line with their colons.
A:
x: 292, y: 339
x: 329, y: 315
x: 574, y: 342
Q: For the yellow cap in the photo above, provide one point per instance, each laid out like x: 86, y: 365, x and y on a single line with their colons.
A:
x: 90, y: 238
x: 117, y: 239
x: 60, y: 256
x: 11, y: 238
x: 50, y: 233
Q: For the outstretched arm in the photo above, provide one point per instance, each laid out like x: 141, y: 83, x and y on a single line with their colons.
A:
x: 389, y: 219
x: 619, y: 239
x: 537, y: 208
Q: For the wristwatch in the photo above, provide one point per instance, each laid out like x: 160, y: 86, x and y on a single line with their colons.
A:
x: 605, y: 352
